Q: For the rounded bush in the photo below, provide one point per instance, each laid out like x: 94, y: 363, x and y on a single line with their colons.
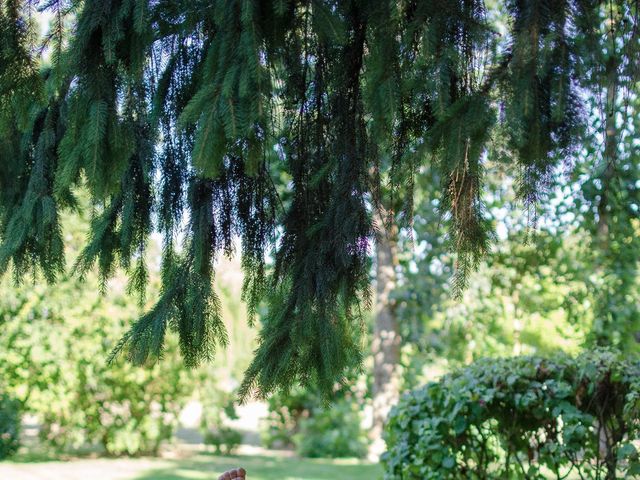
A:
x: 333, y: 431
x: 523, y: 417
x: 224, y: 440
x: 9, y: 426
x: 300, y: 419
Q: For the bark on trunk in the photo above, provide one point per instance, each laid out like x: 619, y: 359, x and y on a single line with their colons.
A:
x: 386, y: 336
x: 609, y: 159
x: 606, y: 446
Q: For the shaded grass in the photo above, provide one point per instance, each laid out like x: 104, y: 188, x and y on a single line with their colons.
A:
x: 203, y: 467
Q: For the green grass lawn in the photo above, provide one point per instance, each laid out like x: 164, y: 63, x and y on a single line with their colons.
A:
x: 265, y: 468
x: 196, y: 467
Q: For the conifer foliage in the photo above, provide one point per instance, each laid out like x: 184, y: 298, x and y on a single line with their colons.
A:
x: 275, y: 122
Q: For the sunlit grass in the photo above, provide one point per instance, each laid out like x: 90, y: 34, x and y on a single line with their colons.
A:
x: 197, y: 467
x: 266, y: 468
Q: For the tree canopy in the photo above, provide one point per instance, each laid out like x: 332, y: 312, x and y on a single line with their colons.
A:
x: 278, y: 127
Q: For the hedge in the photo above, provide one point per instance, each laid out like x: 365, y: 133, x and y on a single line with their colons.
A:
x: 522, y: 417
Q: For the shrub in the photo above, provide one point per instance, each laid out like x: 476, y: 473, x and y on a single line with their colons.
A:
x: 285, y: 414
x: 9, y: 426
x: 218, y: 410
x: 331, y: 431
x: 55, y: 342
x: 300, y: 419
x: 224, y: 440
x: 53, y: 350
x: 524, y: 417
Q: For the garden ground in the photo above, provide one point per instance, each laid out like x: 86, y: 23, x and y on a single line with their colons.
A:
x: 198, y: 466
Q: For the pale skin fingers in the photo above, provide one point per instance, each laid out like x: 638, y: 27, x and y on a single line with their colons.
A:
x: 235, y: 474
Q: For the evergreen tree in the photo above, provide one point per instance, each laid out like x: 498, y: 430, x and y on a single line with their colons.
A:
x: 177, y: 115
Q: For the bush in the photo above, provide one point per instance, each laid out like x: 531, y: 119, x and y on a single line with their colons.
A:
x: 53, y: 350
x: 55, y: 342
x: 224, y: 440
x: 285, y: 414
x: 331, y: 431
x: 300, y: 419
x: 525, y: 417
x: 218, y: 410
x: 9, y: 426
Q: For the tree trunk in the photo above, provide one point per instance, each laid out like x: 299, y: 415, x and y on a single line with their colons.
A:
x: 386, y: 334
x: 602, y: 326
x: 606, y: 450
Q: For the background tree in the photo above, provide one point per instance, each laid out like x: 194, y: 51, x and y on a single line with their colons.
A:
x: 175, y: 115
x: 53, y: 357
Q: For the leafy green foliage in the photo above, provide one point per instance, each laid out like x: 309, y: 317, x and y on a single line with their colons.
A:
x: 567, y: 284
x: 55, y: 346
x: 224, y: 440
x: 178, y: 116
x: 332, y: 432
x: 607, y: 174
x: 10, y: 420
x: 522, y: 417
x: 285, y: 414
x: 54, y: 361
x: 218, y: 408
x: 531, y: 295
x: 302, y: 420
